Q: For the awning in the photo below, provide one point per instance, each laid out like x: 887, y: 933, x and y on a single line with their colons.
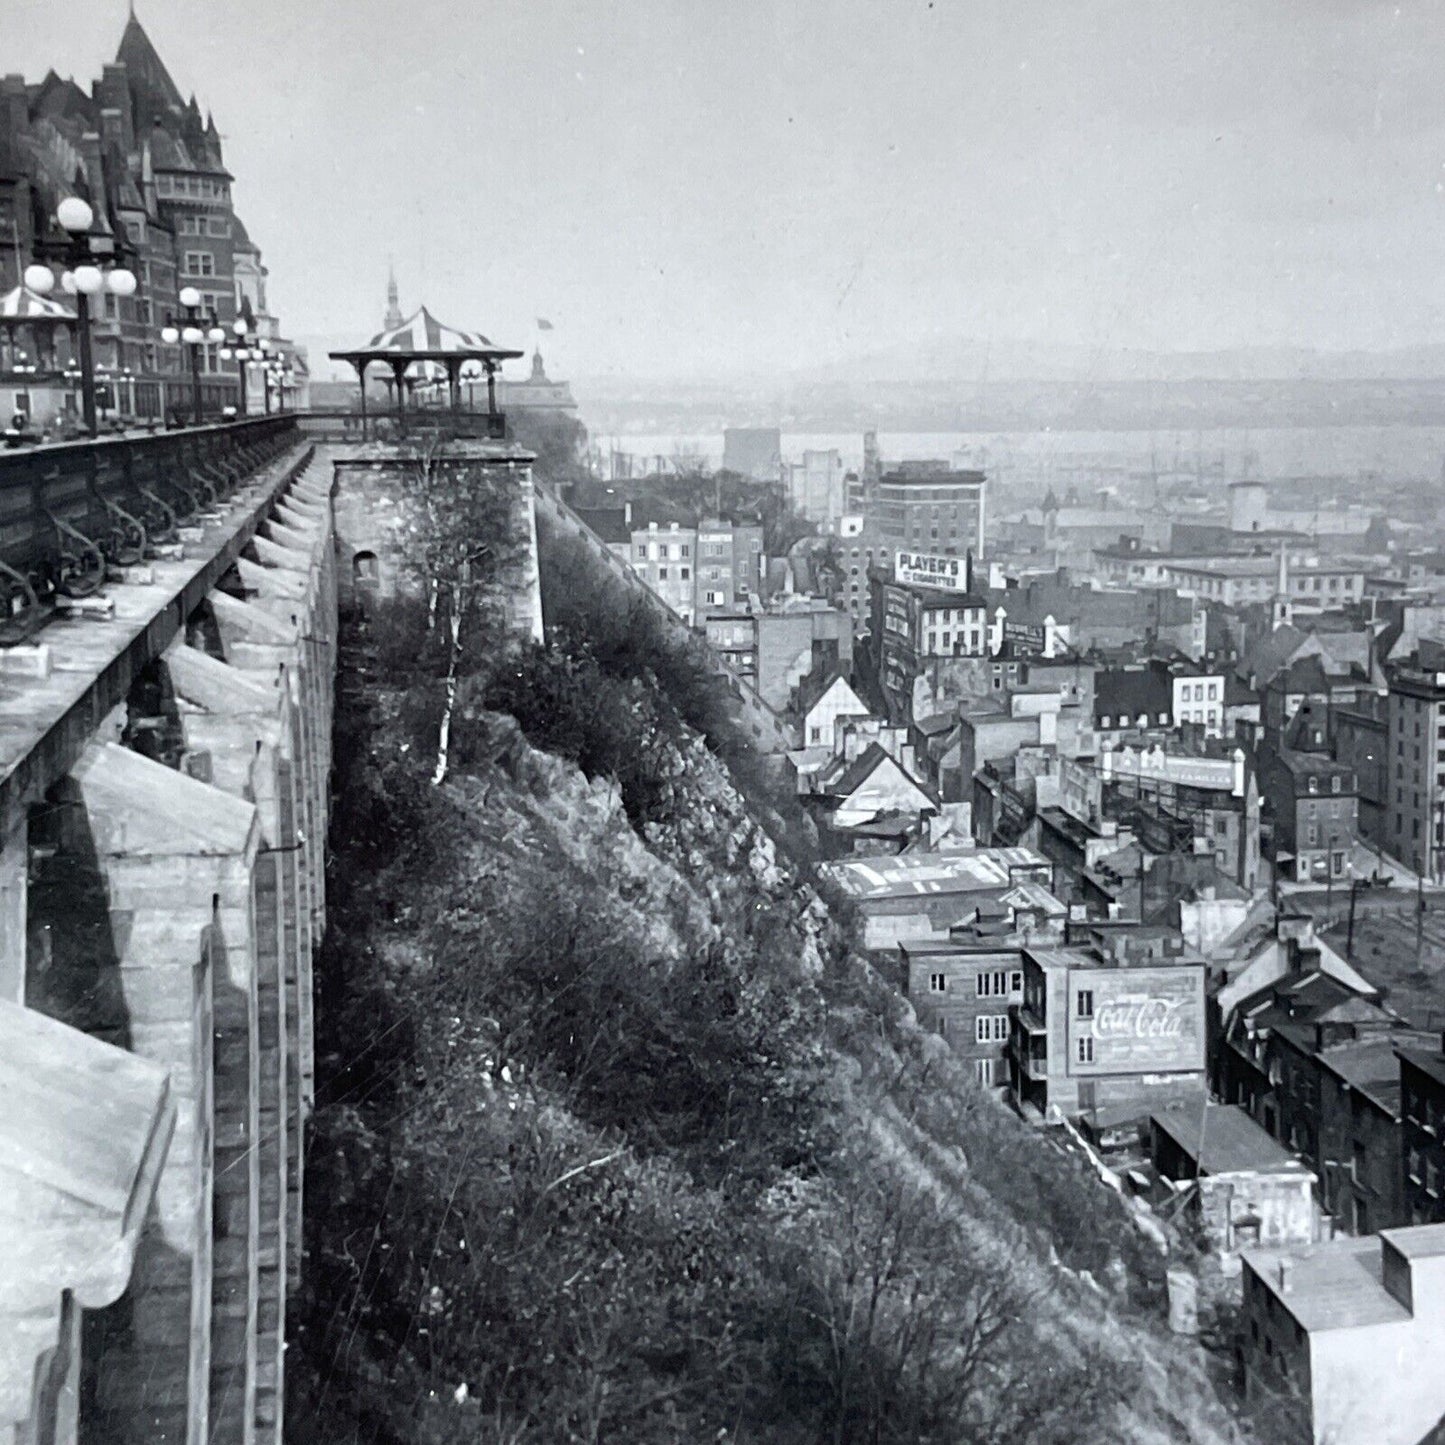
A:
x: 22, y: 306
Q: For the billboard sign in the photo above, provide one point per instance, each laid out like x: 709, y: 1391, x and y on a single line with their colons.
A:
x: 923, y: 569
x: 1136, y: 1020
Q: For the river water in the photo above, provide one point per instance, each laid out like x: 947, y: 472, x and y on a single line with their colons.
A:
x: 1348, y: 453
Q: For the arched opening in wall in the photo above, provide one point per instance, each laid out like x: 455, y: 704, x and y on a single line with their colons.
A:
x: 365, y: 571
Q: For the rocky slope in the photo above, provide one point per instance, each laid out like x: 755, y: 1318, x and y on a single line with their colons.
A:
x: 621, y: 1139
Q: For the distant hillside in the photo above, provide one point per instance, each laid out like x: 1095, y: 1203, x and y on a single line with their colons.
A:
x: 1084, y: 404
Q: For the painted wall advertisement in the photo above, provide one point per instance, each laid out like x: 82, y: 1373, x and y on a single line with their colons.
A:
x: 1136, y: 1020
x: 926, y: 570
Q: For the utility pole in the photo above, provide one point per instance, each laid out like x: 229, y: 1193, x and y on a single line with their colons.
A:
x: 1350, y: 936
x: 1419, y: 918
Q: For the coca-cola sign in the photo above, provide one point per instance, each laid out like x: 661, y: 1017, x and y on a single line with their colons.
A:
x: 1136, y: 1020
x: 1144, y: 1018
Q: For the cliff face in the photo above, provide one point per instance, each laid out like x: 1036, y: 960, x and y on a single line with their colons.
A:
x: 623, y: 1141
x: 620, y: 1139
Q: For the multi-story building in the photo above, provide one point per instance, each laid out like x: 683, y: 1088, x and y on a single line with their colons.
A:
x: 664, y: 557
x: 734, y: 637
x: 964, y: 993
x: 921, y: 625
x: 1309, y: 583
x: 1313, y: 801
x: 1216, y: 795
x: 729, y: 564
x: 1422, y: 1122
x: 1415, y: 761
x: 153, y: 169
x: 816, y: 487
x: 926, y: 507
x: 1359, y: 738
x: 1341, y: 1341
x: 754, y: 452
x: 1109, y: 1030
x: 1315, y: 1062
x: 924, y: 895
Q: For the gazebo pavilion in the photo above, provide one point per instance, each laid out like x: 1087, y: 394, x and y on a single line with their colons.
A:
x: 439, y: 351
x: 26, y: 314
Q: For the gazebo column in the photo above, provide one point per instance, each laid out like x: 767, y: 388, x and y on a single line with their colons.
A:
x: 398, y: 371
x: 491, y: 388
x: 454, y: 386
x: 361, y: 377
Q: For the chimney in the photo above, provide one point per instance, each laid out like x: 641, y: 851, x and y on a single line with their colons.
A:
x: 1286, y: 1268
x: 627, y: 513
x: 114, y: 89
x: 94, y: 170
x: 112, y: 130
x: 15, y: 116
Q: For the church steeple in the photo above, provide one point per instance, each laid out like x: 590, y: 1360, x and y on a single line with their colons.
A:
x: 393, y: 317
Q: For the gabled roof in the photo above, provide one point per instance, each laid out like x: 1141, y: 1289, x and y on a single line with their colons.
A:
x: 1129, y: 691
x: 145, y: 68
x: 859, y: 770
x: 422, y: 332
x: 816, y: 686
x: 609, y: 523
x: 1272, y: 652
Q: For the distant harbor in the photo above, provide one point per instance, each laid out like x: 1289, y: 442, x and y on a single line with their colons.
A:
x: 1353, y: 453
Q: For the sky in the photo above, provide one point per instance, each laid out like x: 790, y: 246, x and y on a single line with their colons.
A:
x: 687, y: 188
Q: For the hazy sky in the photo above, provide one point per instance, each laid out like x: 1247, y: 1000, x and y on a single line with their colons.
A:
x: 709, y: 184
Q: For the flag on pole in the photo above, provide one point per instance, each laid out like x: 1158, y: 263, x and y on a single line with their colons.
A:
x: 543, y: 324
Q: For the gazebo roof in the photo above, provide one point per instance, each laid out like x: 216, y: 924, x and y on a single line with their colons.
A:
x: 22, y: 306
x: 421, y: 337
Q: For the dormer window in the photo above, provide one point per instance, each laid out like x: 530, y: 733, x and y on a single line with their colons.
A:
x: 1334, y: 785
x: 1314, y: 785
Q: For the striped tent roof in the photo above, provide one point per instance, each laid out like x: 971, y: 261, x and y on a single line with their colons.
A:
x: 23, y: 304
x: 422, y: 332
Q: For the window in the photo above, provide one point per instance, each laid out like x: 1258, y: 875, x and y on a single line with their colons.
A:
x: 938, y: 982
x: 662, y: 574
x: 1334, y: 785
x: 217, y: 226
x: 1085, y: 1048
x: 686, y: 573
x: 993, y: 985
x: 983, y: 1072
x: 1084, y: 1004
x: 990, y: 1028
x: 200, y: 263
x: 683, y: 550
x: 642, y: 551
x: 1016, y: 981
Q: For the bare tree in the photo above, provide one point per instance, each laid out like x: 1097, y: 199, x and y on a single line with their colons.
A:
x: 465, y: 536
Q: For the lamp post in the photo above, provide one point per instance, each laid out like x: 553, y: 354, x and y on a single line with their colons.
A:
x: 83, y: 278
x: 73, y: 377
x: 242, y: 351
x: 195, y: 329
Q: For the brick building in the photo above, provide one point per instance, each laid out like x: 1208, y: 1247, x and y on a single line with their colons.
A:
x: 1415, y: 761
x: 964, y: 993
x: 153, y: 170
x: 1422, y: 1122
x: 1313, y: 801
x: 1344, y: 1339
x: 1111, y: 1029
x: 1316, y: 1065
